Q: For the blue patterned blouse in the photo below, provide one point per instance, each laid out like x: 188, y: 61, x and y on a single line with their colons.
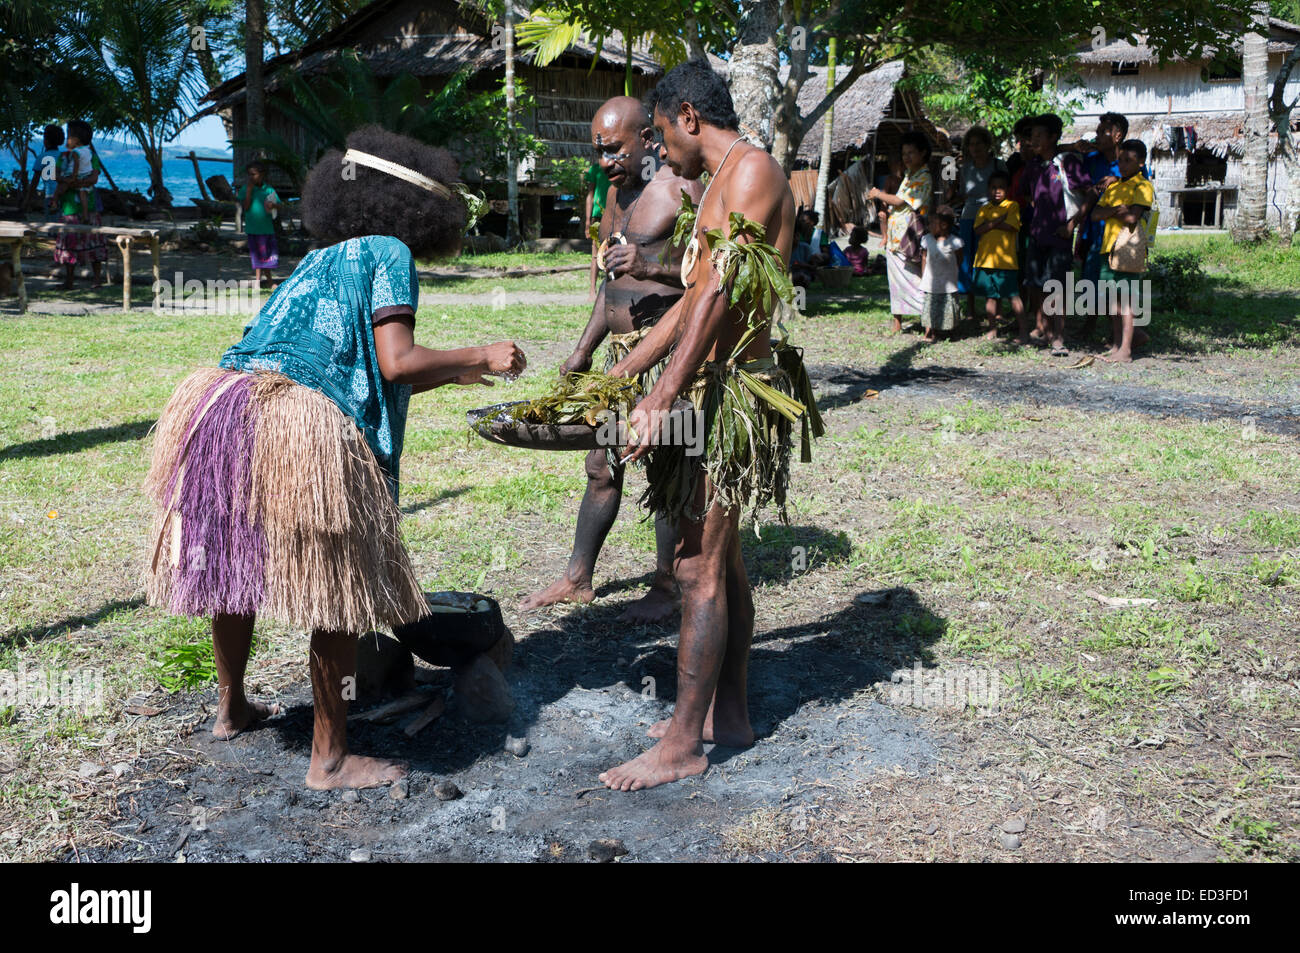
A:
x: 317, y: 329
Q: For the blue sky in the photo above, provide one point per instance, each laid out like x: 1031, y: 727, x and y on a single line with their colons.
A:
x: 207, y: 132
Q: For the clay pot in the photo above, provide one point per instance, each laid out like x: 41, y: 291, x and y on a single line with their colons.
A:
x: 459, y: 627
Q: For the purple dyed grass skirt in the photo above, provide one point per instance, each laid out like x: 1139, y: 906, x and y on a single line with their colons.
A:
x: 263, y: 251
x: 268, y: 501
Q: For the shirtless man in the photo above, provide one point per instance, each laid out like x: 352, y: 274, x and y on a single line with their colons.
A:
x: 641, y: 207
x: 694, y: 114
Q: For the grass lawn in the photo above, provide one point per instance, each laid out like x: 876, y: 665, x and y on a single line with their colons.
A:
x: 1009, y: 515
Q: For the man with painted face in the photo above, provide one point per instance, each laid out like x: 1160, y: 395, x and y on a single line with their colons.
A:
x: 705, y: 338
x: 640, y: 212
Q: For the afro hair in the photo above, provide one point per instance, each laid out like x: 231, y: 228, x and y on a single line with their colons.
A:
x: 341, y: 202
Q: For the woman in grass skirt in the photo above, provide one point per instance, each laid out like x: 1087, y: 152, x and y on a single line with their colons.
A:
x: 275, y: 474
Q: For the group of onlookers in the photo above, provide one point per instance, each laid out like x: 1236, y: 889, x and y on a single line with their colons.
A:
x: 66, y: 174
x: 1012, y: 230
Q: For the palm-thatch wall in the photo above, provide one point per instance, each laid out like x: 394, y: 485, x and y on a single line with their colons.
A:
x: 1191, y: 116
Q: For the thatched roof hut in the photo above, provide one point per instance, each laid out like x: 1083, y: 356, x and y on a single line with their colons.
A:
x: 876, y: 99
x: 870, y: 119
x: 434, y: 40
x: 1281, y: 39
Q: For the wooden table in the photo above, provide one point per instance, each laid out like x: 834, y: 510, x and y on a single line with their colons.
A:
x: 15, y: 233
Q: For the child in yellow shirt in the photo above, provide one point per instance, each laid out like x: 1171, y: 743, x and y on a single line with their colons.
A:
x: 1124, y: 205
x: 997, y: 270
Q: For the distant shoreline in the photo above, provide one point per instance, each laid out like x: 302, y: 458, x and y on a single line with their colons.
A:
x: 126, y: 164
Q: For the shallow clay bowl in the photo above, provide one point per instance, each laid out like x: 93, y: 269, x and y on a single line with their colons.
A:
x: 489, y: 424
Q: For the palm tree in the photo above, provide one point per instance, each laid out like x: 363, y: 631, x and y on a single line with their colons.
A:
x: 141, y: 62
x: 1251, y: 223
x: 828, y: 132
x: 552, y: 30
x: 254, y: 81
x: 512, y: 169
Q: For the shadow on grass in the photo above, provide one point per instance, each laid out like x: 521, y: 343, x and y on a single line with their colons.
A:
x: 434, y: 500
x: 781, y: 554
x: 854, y: 383
x: 77, y: 440
x: 45, y: 630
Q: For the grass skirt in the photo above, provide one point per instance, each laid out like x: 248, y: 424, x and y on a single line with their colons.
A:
x: 267, y: 500
x: 747, y: 438
x: 621, y: 345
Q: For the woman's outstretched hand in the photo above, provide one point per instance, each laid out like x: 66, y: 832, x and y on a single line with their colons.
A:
x: 503, y: 358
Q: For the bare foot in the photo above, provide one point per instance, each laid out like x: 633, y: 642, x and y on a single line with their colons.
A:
x: 659, y: 765
x: 739, y: 738
x: 1118, y: 357
x: 562, y: 590
x: 655, y: 606
x: 231, y: 721
x: 354, y: 771
x: 991, y: 334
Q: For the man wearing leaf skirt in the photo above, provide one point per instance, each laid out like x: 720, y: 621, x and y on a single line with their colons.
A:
x: 750, y: 398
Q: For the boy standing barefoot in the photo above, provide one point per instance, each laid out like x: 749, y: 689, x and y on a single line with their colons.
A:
x: 997, y: 266
x: 1124, y: 207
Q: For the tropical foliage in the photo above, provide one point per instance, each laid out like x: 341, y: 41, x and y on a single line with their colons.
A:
x: 328, y: 107
x: 975, y: 90
x: 138, y: 58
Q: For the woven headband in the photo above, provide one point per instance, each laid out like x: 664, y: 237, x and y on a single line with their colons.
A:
x: 399, y: 171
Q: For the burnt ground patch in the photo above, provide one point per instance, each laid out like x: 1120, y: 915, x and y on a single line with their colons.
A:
x: 842, y: 384
x: 586, y: 690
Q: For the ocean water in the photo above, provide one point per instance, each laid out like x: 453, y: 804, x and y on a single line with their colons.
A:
x: 130, y: 172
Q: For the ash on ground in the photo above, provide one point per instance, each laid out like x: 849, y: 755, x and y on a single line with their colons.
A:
x: 584, y: 701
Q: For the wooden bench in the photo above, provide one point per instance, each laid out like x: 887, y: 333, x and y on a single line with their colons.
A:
x: 16, y: 233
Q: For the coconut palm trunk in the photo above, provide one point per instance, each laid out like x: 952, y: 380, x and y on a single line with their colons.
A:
x: 255, y: 81
x: 512, y: 168
x: 1251, y: 223
x: 754, y: 71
